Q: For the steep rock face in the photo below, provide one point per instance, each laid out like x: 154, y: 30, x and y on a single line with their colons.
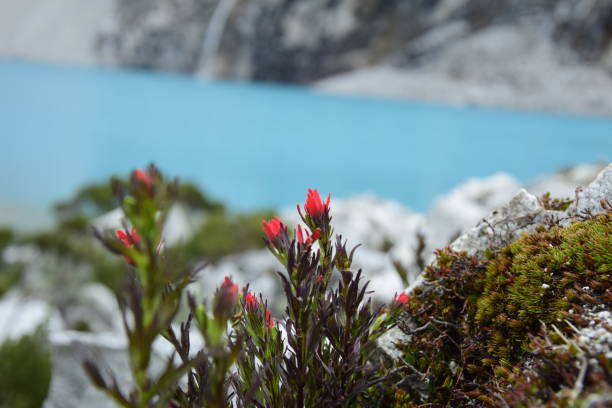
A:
x: 293, y: 41
x: 158, y: 34
x: 585, y: 26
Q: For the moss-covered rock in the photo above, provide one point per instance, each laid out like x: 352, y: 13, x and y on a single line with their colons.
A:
x: 504, y: 328
x: 541, y: 277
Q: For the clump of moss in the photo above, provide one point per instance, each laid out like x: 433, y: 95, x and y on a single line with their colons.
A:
x: 25, y: 372
x: 541, y: 278
x: 479, y: 324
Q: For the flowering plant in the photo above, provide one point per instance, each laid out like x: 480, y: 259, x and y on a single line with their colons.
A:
x: 320, y: 352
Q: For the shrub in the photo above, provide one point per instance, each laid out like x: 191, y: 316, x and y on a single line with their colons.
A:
x: 25, y: 372
x: 322, y: 355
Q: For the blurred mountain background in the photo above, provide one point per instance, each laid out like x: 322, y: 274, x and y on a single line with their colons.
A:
x: 552, y: 55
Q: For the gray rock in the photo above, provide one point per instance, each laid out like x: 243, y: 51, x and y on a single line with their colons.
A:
x: 524, y: 212
x: 21, y: 315
x: 96, y: 306
x: 303, y: 41
x: 504, y: 225
x: 585, y: 27
x: 591, y: 197
x: 70, y: 386
x: 563, y: 183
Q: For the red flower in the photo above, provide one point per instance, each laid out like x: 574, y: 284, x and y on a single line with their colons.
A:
x: 314, y: 206
x: 128, y: 239
x: 272, y: 228
x: 228, y: 292
x: 401, y: 299
x: 250, y: 302
x: 310, y: 239
x: 229, y: 286
x: 143, y: 178
x: 269, y: 319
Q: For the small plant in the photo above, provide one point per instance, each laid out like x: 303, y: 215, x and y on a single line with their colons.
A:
x: 154, y: 288
x: 330, y: 334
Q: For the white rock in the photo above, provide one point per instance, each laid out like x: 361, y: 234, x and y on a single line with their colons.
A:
x: 597, y: 337
x: 71, y: 388
x: 20, y: 315
x: 96, y: 306
x: 503, y: 225
x: 563, y: 183
x: 465, y: 205
x: 590, y: 198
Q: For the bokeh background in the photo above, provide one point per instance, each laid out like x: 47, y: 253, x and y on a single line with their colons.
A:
x: 256, y: 100
x: 419, y: 116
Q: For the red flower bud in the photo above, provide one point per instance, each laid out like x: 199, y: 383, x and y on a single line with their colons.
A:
x: 310, y: 239
x: 250, y: 302
x: 128, y: 239
x: 269, y: 319
x: 272, y: 228
x: 314, y: 206
x: 143, y: 178
x: 228, y: 292
x: 401, y: 299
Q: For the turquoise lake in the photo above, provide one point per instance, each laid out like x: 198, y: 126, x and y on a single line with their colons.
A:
x: 263, y: 145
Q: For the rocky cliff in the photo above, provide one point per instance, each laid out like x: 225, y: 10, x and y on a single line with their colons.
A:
x: 543, y: 54
x: 299, y: 41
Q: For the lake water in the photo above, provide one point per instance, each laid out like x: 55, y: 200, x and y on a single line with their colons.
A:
x: 263, y: 145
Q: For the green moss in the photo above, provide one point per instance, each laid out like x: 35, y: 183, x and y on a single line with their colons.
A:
x: 538, y: 277
x: 477, y: 325
x: 25, y: 372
